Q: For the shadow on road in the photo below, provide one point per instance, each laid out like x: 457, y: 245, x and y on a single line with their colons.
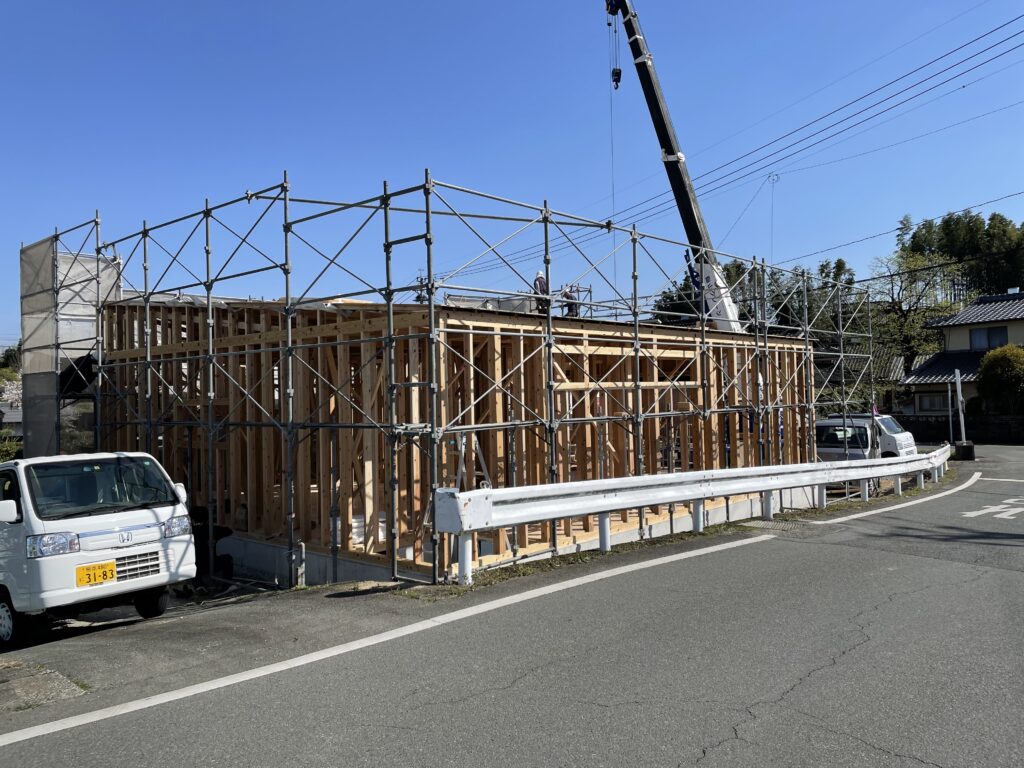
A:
x: 952, y: 534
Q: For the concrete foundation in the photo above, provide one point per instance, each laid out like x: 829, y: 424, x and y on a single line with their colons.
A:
x: 269, y: 562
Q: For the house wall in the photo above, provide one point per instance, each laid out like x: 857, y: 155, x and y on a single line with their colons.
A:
x: 922, y: 392
x: 959, y: 338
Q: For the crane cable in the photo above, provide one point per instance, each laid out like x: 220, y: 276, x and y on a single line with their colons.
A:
x: 616, y: 77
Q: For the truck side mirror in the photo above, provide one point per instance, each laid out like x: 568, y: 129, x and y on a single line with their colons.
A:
x: 9, y: 511
x: 180, y: 492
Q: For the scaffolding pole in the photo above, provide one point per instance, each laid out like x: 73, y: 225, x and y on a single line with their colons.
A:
x: 525, y: 407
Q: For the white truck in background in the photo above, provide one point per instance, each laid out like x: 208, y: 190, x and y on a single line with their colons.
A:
x: 78, y: 533
x: 862, y: 436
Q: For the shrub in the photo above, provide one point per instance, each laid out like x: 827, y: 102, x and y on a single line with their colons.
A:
x: 1001, y: 379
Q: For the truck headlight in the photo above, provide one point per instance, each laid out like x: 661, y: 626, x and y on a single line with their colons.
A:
x: 47, y: 544
x: 179, y: 525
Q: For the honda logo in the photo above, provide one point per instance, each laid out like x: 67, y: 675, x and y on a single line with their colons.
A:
x: 125, y: 537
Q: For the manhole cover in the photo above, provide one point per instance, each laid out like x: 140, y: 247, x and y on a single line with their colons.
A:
x: 776, y: 525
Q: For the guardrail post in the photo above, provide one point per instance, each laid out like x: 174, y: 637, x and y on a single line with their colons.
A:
x: 464, y: 513
x: 864, y: 491
x: 465, y: 559
x: 935, y: 474
x: 604, y: 527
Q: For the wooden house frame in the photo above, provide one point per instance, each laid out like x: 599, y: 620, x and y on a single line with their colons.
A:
x: 329, y: 419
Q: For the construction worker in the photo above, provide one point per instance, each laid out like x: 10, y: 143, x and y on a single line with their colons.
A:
x: 540, y: 288
x: 572, y: 307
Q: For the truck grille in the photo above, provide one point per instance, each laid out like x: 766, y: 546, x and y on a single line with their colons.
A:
x: 137, y: 566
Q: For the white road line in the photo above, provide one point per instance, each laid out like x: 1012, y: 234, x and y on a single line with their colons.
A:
x: 985, y: 510
x: 1004, y: 479
x: 1010, y: 514
x: 338, y: 650
x: 973, y: 479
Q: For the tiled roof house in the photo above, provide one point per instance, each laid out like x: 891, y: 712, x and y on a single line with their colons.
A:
x: 987, y: 323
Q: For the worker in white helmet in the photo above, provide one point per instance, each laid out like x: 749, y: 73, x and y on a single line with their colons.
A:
x: 540, y: 288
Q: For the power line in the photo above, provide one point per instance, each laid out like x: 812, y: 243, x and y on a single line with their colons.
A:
x: 898, y: 115
x: 904, y: 90
x: 938, y: 265
x: 844, y: 77
x: 655, y: 210
x: 897, y: 229
x: 802, y: 99
x: 878, y: 90
x: 908, y: 140
x: 740, y: 183
x: 659, y: 208
x: 864, y: 120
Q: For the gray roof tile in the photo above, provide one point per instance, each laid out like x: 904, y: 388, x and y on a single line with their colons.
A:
x: 986, y: 309
x: 940, y: 368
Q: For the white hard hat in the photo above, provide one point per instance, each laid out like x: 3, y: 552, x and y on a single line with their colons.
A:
x: 540, y: 273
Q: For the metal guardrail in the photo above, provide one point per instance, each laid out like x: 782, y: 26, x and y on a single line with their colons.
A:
x: 466, y: 512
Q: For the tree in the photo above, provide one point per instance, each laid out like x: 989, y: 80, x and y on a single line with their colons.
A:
x: 677, y: 304
x: 11, y: 358
x: 10, y: 371
x: 910, y: 289
x: 1001, y: 379
x: 837, y: 271
x: 10, y: 448
x: 990, y: 253
x: 784, y: 297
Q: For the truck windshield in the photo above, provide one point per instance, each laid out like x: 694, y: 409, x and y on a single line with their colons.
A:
x: 97, y: 486
x: 890, y: 425
x: 838, y: 436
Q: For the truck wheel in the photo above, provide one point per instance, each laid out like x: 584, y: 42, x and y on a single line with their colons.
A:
x: 152, y: 603
x: 10, y: 623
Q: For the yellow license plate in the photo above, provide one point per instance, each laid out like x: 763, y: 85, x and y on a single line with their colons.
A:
x: 95, y: 573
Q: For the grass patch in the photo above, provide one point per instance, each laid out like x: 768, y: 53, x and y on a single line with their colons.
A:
x: 488, y: 577
x: 910, y: 490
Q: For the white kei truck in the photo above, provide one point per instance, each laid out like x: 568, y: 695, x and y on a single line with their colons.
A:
x: 78, y: 533
x: 862, y: 436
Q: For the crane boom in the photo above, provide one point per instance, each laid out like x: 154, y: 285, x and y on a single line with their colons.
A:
x: 707, y: 273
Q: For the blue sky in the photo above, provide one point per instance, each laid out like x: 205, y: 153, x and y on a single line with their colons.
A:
x: 143, y: 110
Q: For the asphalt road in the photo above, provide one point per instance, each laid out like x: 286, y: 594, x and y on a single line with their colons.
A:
x: 892, y: 640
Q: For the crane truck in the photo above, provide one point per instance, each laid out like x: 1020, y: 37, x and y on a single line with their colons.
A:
x: 705, y: 271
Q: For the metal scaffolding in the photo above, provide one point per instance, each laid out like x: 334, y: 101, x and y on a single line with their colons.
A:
x: 405, y: 346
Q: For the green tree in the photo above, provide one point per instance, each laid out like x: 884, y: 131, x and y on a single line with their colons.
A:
x: 677, y: 304
x: 681, y: 298
x: 10, y: 366
x: 9, y: 447
x: 910, y: 289
x: 991, y: 252
x: 784, y: 294
x: 1001, y: 379
x: 11, y: 358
